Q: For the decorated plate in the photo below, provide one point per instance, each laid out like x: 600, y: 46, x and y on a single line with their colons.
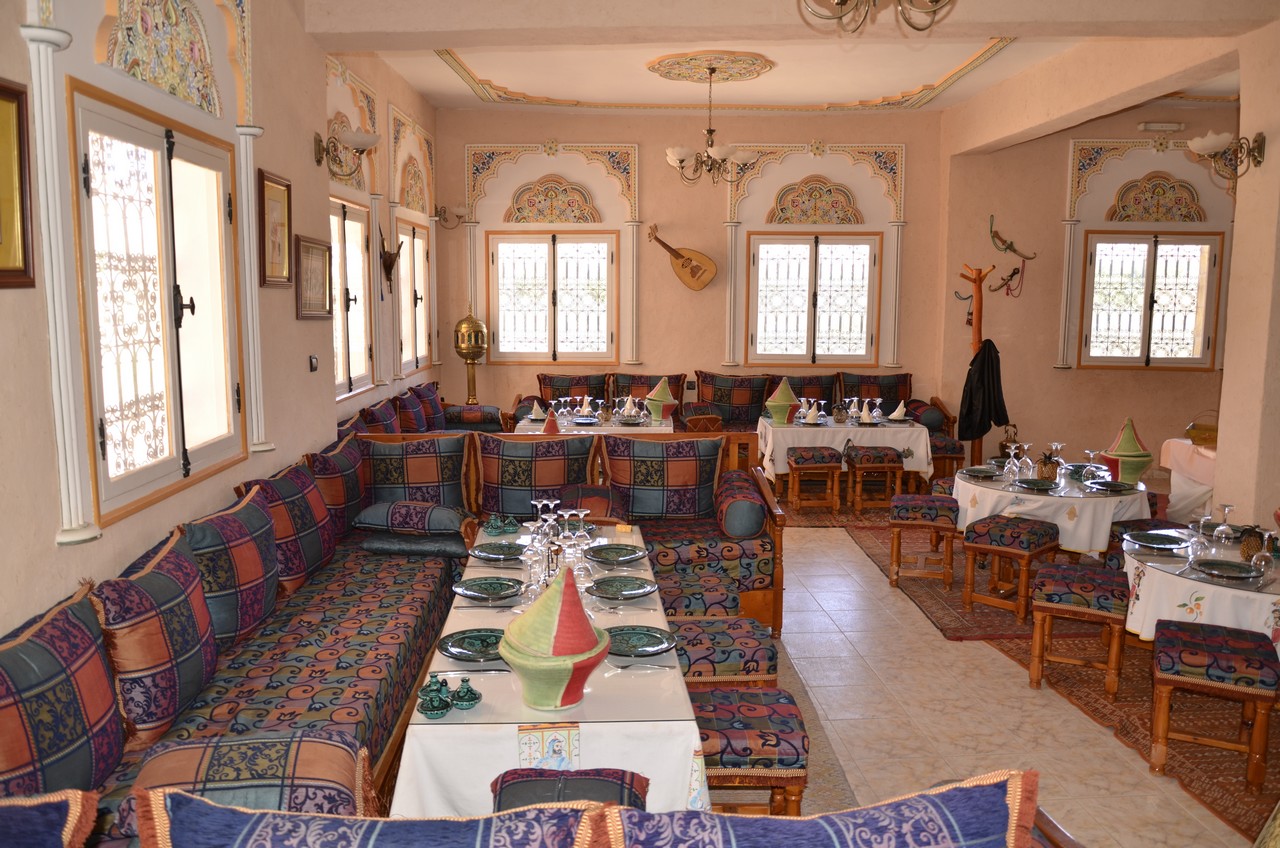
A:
x: 1210, y: 526
x: 488, y: 588
x: 479, y: 644
x: 614, y: 554
x: 573, y: 525
x: 586, y: 421
x: 821, y: 423
x: 898, y: 421
x: 1114, y: 486
x: 982, y: 472
x: 639, y: 640
x: 1075, y: 470
x: 1036, y: 485
x: 628, y: 420
x: 862, y: 423
x: 1231, y: 569
x: 498, y: 551
x: 622, y: 588
x: 1155, y: 541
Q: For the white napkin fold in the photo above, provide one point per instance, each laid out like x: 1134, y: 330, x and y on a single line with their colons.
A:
x: 630, y: 408
x: 899, y: 414
x: 866, y: 414
x: 812, y: 417
x: 538, y: 413
x: 585, y: 409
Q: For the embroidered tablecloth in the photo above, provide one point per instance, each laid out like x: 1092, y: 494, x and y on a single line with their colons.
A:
x: 912, y: 439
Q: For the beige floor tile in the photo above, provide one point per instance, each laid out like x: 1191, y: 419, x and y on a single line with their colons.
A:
x: 816, y: 644
x: 865, y: 619
x: 819, y: 583
x: 808, y: 621
x: 870, y: 739
x: 1133, y: 821
x: 796, y: 600
x: 847, y: 671
x: 844, y: 600
x: 891, y: 778
x: 868, y: 700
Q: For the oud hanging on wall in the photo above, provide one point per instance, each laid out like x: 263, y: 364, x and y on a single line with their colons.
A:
x: 694, y: 269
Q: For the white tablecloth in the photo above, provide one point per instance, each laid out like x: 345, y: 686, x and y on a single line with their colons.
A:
x: 640, y: 720
x: 912, y: 439
x: 1084, y: 521
x: 662, y: 425
x: 1191, y: 469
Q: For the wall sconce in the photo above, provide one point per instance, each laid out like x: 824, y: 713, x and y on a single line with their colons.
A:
x: 333, y: 148
x: 441, y: 215
x: 1230, y: 157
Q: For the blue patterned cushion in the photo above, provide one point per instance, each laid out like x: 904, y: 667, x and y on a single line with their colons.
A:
x: 413, y: 517
x: 410, y: 412
x: 891, y: 388
x: 1019, y: 534
x: 1216, y: 654
x: 815, y: 386
x: 740, y: 508
x: 381, y: 417
x: 1084, y: 588
x: 673, y: 479
x: 943, y: 486
x: 931, y: 508
x: 724, y: 646
x: 553, y: 386
x: 427, y: 470
x: 926, y: 414
x: 945, y: 446
x: 342, y: 479
x: 639, y: 385
x: 54, y: 820
x: 597, y: 499
x: 179, y: 820
x: 813, y: 455
x: 429, y: 396
x: 871, y: 455
x: 703, y: 594
x: 750, y: 728
x: 306, y: 535
x: 514, y: 472
x: 482, y: 419
x: 354, y: 424
x: 738, y: 400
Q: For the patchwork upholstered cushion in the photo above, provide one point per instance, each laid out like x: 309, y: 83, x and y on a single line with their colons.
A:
x: 1017, y: 534
x: 414, y: 517
x: 523, y: 786
x: 750, y: 728
x: 934, y: 509
x: 341, y: 477
x: 60, y: 727
x: 1095, y: 589
x: 871, y: 455
x: 514, y: 472
x: 943, y: 486
x: 432, y: 408
x: 305, y: 532
x: 946, y: 446
x: 996, y: 809
x: 354, y: 424
x: 652, y: 479
x: 178, y: 820
x: 1114, y: 556
x: 427, y: 470
x: 737, y: 399
x: 598, y: 500
x: 236, y: 552
x: 306, y: 771
x: 639, y: 385
x: 812, y: 455
x: 410, y: 413
x: 707, y: 593
x: 815, y: 386
x: 552, y: 386
x: 1216, y: 654
x: 724, y: 646
x: 696, y: 546
x: 740, y: 507
x: 484, y: 419
x: 891, y: 388
x: 55, y: 820
x: 381, y: 417
x: 161, y: 637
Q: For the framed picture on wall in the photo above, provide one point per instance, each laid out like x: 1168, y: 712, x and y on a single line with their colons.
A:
x: 275, y: 212
x: 15, y: 189
x: 315, y: 294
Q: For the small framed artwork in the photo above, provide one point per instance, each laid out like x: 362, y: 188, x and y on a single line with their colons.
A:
x: 315, y: 295
x: 15, y: 190
x: 275, y: 211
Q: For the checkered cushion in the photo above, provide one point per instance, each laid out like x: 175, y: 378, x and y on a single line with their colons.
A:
x: 945, y: 446
x: 639, y: 385
x: 552, y: 386
x: 410, y: 412
x: 523, y: 786
x: 1215, y: 654
x: 306, y: 771
x: 341, y: 478
x: 724, y: 646
x: 432, y: 409
x: 871, y: 455
x: 1114, y: 556
x: 236, y: 552
x: 701, y: 595
x: 740, y: 507
x: 54, y: 820
x: 1084, y: 588
x: 750, y: 728
x: 484, y: 419
x: 161, y: 635
x: 513, y: 473
x: 1018, y: 534
x: 815, y: 386
x: 306, y: 535
x: 598, y: 499
x: 428, y: 470
x: 412, y: 517
x: 891, y: 388
x: 943, y: 486
x: 354, y: 424
x: 931, y: 508
x: 738, y: 400
x: 381, y: 417
x: 673, y: 479
x: 813, y: 455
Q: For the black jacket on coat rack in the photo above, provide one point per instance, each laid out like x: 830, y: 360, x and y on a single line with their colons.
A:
x: 982, y: 403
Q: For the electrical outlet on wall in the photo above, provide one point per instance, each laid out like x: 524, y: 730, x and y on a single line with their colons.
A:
x: 690, y: 385
x: 314, y: 363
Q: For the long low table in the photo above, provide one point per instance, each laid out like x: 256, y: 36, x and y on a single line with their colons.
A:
x: 662, y: 425
x: 636, y: 719
x: 909, y: 437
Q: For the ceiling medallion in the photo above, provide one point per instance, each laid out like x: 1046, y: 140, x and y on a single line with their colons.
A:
x: 730, y: 66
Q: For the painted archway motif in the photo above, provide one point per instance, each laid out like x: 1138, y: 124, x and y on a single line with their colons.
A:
x: 814, y: 200
x: 413, y: 186
x: 619, y: 162
x: 164, y: 44
x: 552, y: 200
x: 1158, y: 197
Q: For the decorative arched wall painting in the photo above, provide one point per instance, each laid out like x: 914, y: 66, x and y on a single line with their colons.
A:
x: 814, y: 200
x: 164, y: 44
x: 1157, y: 197
x: 619, y: 162
x: 352, y: 99
x: 886, y: 162
x: 552, y: 200
x: 412, y: 164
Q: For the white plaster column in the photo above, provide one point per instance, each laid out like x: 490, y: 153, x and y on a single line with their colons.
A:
x: 630, y: 293
x: 433, y: 283
x: 895, y: 292
x: 397, y: 339
x: 1069, y: 272
x: 731, y: 294
x: 377, y: 305
x: 74, y: 471
x: 251, y: 281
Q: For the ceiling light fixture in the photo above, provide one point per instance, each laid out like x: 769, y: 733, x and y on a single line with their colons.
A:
x: 1230, y: 158
x: 720, y: 161
x: 337, y: 144
x: 852, y: 14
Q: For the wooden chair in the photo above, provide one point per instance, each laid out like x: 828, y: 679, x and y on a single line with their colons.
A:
x: 1096, y: 595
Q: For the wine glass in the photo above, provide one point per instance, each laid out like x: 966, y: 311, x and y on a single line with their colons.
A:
x: 1010, y: 469
x: 1263, y: 560
x: 851, y: 403
x: 1222, y: 534
x: 822, y: 411
x: 1026, y: 468
x: 1090, y: 472
x: 875, y: 413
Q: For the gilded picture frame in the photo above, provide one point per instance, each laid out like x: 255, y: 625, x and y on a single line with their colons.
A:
x: 15, y: 189
x: 275, y: 216
x: 314, y: 292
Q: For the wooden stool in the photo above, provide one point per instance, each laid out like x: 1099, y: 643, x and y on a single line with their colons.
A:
x: 864, y: 460
x: 1097, y: 595
x: 947, y: 454
x: 1005, y: 538
x: 814, y: 461
x: 754, y: 738
x: 725, y: 651
x: 1221, y: 661
x: 935, y: 513
x: 941, y: 486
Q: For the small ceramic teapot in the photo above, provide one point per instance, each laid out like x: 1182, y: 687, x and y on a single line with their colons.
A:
x: 466, y: 697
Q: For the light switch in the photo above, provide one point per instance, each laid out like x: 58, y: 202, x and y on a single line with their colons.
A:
x: 314, y: 362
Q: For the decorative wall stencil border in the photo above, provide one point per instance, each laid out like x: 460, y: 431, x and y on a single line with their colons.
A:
x: 1089, y: 156
x: 413, y: 186
x: 814, y: 200
x: 172, y: 53
x: 552, y: 200
x: 765, y: 154
x: 240, y: 22
x: 484, y: 160
x: 46, y: 13
x: 405, y: 130
x: 490, y: 92
x: 1158, y: 197
x: 730, y: 65
x: 618, y: 160
x: 366, y: 101
x: 886, y: 161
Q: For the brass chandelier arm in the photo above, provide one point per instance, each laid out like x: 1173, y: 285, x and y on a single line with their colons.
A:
x: 853, y: 14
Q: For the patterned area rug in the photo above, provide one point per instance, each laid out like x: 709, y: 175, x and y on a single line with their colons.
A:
x: 1213, y: 776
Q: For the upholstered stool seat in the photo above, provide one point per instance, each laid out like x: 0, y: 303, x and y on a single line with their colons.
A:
x: 814, y: 461
x: 1085, y: 594
x: 935, y: 513
x: 947, y: 453
x: 871, y: 461
x: 1222, y: 661
x: 1006, y: 539
x: 725, y: 650
x: 1114, y: 557
x: 754, y: 738
x: 704, y: 594
x: 943, y: 486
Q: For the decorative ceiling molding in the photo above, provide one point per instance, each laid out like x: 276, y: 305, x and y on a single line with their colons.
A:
x: 552, y: 200
x: 1158, y: 197
x: 730, y: 65
x: 618, y: 160
x: 814, y: 200
x: 491, y: 92
x: 366, y: 101
x: 887, y: 162
x: 1089, y: 156
x: 165, y: 46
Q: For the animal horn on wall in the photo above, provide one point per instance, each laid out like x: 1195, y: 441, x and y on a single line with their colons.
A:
x: 389, y: 258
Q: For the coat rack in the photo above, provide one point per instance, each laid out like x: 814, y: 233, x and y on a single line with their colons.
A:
x: 975, y: 277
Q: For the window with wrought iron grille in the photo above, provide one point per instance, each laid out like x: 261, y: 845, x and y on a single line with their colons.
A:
x: 552, y: 297
x: 352, y: 339
x: 415, y: 339
x: 813, y: 298
x: 159, y: 307
x: 1150, y: 299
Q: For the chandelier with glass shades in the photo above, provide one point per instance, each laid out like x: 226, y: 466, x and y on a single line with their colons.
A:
x: 719, y: 161
x: 852, y: 14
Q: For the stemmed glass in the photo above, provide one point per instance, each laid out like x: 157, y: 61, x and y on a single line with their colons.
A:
x: 822, y: 410
x: 1222, y: 535
x: 1262, y: 560
x: 876, y: 414
x: 1026, y: 468
x: 854, y: 412
x: 1011, y: 464
x: 1090, y: 472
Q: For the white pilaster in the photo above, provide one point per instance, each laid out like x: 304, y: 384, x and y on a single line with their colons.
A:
x: 251, y: 280
x: 731, y: 317
x: 433, y: 301
x: 630, y: 293
x: 895, y: 293
x: 1069, y: 272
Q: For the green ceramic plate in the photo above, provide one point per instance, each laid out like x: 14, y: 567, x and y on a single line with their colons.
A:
x: 1035, y: 485
x: 1156, y: 541
x: 479, y: 644
x: 1076, y: 469
x: 1231, y: 569
x: 982, y: 472
x: 628, y: 420
x: 614, y: 554
x: 488, y: 588
x: 622, y: 588
x: 638, y: 640
x: 498, y: 551
x: 1236, y: 529
x: 1114, y: 486
x: 572, y: 526
x: 586, y: 421
x: 862, y: 423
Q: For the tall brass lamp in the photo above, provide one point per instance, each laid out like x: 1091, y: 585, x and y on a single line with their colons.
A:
x: 471, y: 342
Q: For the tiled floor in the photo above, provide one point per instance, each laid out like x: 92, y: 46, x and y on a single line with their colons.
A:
x: 905, y: 709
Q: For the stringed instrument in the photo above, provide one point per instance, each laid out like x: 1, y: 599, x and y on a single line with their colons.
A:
x: 694, y: 269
